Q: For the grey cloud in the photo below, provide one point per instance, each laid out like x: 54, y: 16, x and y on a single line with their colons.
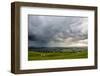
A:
x: 46, y: 31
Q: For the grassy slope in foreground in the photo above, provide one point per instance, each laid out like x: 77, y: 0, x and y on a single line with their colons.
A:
x: 56, y: 55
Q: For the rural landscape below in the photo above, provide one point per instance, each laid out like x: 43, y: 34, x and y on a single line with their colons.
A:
x: 57, y: 53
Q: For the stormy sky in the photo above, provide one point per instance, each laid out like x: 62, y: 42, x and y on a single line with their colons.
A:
x: 57, y: 31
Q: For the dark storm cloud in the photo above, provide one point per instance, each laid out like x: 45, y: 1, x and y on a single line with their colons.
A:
x: 53, y: 31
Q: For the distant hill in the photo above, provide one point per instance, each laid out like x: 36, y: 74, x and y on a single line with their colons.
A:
x: 57, y: 49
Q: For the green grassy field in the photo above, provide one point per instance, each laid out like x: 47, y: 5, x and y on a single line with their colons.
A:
x: 56, y: 55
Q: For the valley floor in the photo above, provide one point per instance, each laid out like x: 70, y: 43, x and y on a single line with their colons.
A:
x: 57, y: 55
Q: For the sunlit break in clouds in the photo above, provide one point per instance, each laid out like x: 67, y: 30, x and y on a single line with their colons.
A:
x: 57, y: 31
